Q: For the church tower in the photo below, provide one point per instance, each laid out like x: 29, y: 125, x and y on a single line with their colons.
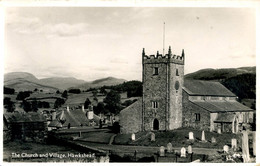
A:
x: 162, y: 91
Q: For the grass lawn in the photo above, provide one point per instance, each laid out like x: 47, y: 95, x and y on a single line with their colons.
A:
x: 95, y: 136
x: 32, y: 148
x: 179, y: 138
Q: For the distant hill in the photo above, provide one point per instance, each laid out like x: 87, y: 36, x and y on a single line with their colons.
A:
x: 62, y: 82
x: 101, y: 82
x: 22, y: 81
x: 220, y: 74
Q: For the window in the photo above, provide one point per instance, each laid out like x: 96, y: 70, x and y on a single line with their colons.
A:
x: 177, y: 72
x: 155, y: 71
x: 197, y: 116
x: 154, y: 104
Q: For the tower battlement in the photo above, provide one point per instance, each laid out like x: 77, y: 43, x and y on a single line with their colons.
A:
x: 167, y: 58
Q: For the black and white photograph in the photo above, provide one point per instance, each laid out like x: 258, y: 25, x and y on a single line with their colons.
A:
x: 129, y: 84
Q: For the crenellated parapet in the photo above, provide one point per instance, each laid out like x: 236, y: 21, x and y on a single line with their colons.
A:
x: 167, y: 58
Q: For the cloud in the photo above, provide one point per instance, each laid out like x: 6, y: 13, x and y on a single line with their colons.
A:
x: 33, y: 25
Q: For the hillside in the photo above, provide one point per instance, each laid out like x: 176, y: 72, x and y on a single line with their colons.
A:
x: 22, y: 81
x: 101, y: 82
x: 220, y: 74
x: 61, y: 82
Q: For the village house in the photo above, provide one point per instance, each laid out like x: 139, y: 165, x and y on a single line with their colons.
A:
x: 69, y: 117
x: 31, y: 126
x: 169, y: 101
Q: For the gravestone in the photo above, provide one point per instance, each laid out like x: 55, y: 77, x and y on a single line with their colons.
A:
x: 162, y: 151
x: 225, y: 148
x: 80, y: 134
x: 203, y: 136
x: 213, y: 140
x: 102, y: 159
x: 133, y: 137
x: 219, y: 130
x: 191, y: 137
x: 169, y: 147
x: 189, y: 149
x: 245, y: 147
x: 152, y: 137
x: 234, y: 143
x: 183, y: 152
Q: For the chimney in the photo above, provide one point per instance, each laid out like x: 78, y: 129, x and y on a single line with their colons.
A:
x: 53, y: 115
x: 83, y: 109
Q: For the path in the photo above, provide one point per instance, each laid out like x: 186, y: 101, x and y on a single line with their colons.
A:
x: 143, y: 149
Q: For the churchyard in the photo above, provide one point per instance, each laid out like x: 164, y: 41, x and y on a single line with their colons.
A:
x: 180, y: 145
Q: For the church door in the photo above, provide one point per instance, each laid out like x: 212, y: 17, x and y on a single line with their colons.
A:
x: 155, y: 124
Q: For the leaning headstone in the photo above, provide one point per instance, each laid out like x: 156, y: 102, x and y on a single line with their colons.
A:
x: 234, y: 143
x: 133, y: 137
x: 152, y: 137
x: 213, y: 140
x: 219, y: 130
x: 169, y: 147
x: 183, y: 152
x: 245, y: 147
x: 189, y: 149
x: 225, y: 148
x: 162, y: 151
x: 191, y: 137
x: 203, y: 136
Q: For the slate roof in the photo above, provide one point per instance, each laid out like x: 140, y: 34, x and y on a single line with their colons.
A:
x: 227, y: 118
x: 206, y: 88
x: 222, y: 106
x: 24, y: 117
x: 75, y: 117
x: 135, y: 106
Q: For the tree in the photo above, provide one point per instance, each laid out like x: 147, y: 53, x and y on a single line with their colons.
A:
x: 76, y: 91
x: 100, y: 108
x: 8, y: 104
x: 57, y: 92
x: 103, y: 90
x: 26, y: 106
x: 9, y: 91
x: 34, y: 106
x: 59, y: 102
x: 64, y: 94
x: 23, y: 95
x: 94, y: 92
x: 87, y: 103
x: 112, y: 101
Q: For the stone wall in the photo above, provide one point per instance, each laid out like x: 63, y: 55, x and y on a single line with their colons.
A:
x: 176, y: 74
x: 189, y: 115
x: 154, y: 90
x: 130, y: 118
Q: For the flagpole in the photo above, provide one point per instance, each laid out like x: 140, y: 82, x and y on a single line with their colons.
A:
x: 163, y: 36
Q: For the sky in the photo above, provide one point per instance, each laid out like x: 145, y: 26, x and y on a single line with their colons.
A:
x: 95, y: 42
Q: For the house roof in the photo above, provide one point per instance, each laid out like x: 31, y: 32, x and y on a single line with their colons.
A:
x: 222, y: 106
x: 75, y: 117
x: 24, y: 117
x: 135, y: 106
x: 55, y: 123
x: 206, y: 88
x: 226, y: 118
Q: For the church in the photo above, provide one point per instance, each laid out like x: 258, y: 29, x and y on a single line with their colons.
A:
x: 169, y: 101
